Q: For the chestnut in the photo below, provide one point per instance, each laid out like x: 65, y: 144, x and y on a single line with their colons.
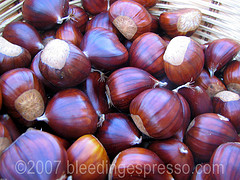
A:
x: 227, y: 103
x: 23, y: 95
x: 157, y: 113
x: 95, y: 7
x: 146, y: 53
x: 225, y: 161
x: 138, y: 163
x: 130, y: 18
x: 12, y: 56
x: 183, y: 60
x: 117, y: 133
x: 63, y: 64
x: 34, y: 155
x: 180, y: 22
x: 5, y: 138
x: 103, y: 48
x: 219, y: 52
x: 24, y: 35
x: 70, y: 114
x: 88, y: 159
x: 202, y: 172
x: 45, y: 14
x: 69, y: 32
x: 231, y: 76
x: 211, y: 84
x: 176, y: 156
x: 206, y: 132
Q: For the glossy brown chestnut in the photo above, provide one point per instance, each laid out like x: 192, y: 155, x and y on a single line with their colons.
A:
x: 176, y: 156
x: 211, y: 84
x: 227, y: 103
x: 78, y: 17
x: 23, y: 95
x: 95, y: 7
x: 117, y: 133
x: 24, y: 35
x: 63, y: 64
x: 12, y: 56
x: 130, y: 18
x: 198, y: 100
x: 88, y: 159
x: 183, y: 60
x: 202, y: 172
x: 5, y: 138
x: 146, y: 53
x: 34, y: 155
x: 94, y: 88
x: 181, y: 22
x: 103, y: 48
x: 206, y: 132
x: 124, y: 84
x: 102, y: 20
x: 231, y: 76
x: 45, y: 14
x: 138, y: 163
x: 219, y: 52
x: 70, y: 114
x: 69, y: 32
x: 157, y: 113
x: 225, y: 161
x: 145, y: 3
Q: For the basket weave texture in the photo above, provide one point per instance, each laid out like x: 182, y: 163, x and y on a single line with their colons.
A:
x: 221, y: 18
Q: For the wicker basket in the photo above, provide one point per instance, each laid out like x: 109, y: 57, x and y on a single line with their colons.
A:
x: 221, y: 18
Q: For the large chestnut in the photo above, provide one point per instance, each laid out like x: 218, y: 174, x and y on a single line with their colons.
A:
x: 183, y: 60
x: 117, y: 133
x: 103, y: 48
x: 138, y: 163
x: 227, y: 103
x: 5, y: 138
x: 12, y: 56
x: 24, y: 35
x: 176, y: 156
x: 88, y: 159
x: 146, y: 53
x: 130, y: 18
x: 206, y: 132
x: 95, y: 7
x: 225, y: 161
x: 23, y: 95
x: 34, y: 155
x: 70, y: 114
x: 45, y: 14
x: 63, y: 64
x: 157, y: 113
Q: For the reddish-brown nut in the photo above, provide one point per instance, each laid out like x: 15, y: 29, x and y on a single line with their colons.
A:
x: 176, y: 156
x: 146, y: 53
x: 225, y: 161
x: 23, y: 95
x: 227, y: 103
x: 206, y: 132
x: 63, y: 64
x: 138, y: 163
x: 88, y: 159
x: 95, y: 7
x: 219, y: 52
x: 130, y: 18
x: 34, y: 155
x: 211, y: 84
x: 202, y: 172
x: 117, y: 133
x: 181, y: 22
x: 157, y: 113
x: 231, y: 76
x: 183, y: 60
x: 70, y: 114
x: 103, y: 48
x: 5, y: 138
x: 12, y: 56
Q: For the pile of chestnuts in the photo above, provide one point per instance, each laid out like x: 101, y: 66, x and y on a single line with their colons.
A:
x: 108, y: 90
